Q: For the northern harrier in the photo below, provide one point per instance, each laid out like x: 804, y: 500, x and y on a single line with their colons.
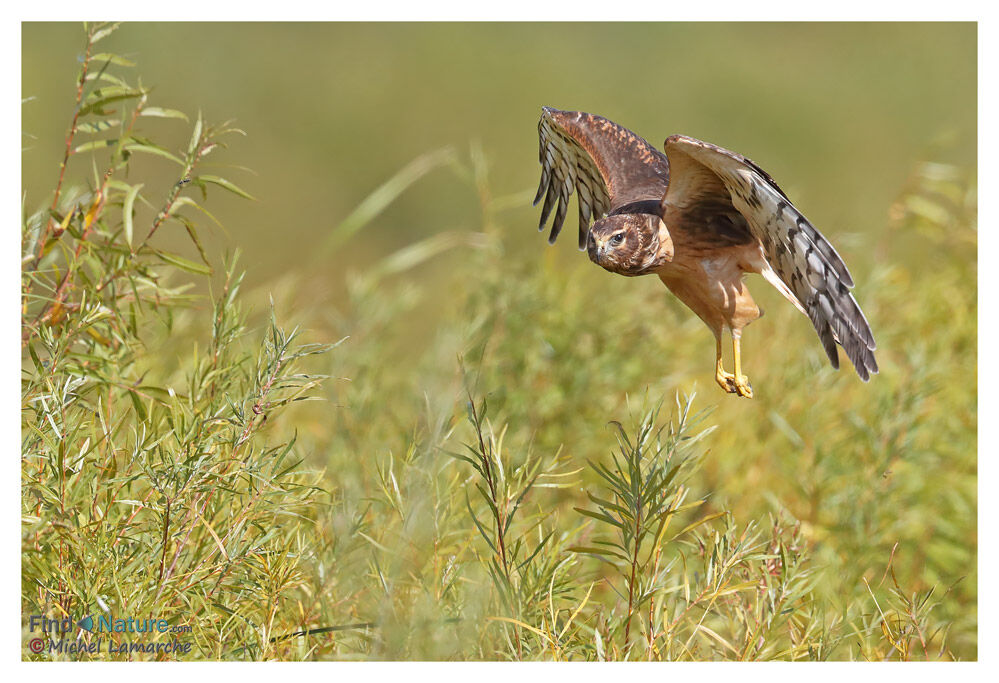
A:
x: 700, y: 217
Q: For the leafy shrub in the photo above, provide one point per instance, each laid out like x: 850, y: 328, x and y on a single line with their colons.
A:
x: 149, y: 485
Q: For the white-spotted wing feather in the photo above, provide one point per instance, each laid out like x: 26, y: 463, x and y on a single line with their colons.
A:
x: 804, y: 261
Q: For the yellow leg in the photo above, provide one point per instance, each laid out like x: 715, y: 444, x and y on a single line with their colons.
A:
x: 742, y: 385
x: 726, y: 380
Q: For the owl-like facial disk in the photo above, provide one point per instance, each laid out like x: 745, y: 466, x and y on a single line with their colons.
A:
x: 630, y: 244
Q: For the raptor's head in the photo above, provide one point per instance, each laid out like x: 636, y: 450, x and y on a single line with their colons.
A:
x: 630, y: 244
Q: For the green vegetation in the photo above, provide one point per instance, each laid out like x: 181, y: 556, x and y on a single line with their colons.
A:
x: 511, y: 463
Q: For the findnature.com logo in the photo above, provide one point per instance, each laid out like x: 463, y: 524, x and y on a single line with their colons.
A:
x: 60, y: 638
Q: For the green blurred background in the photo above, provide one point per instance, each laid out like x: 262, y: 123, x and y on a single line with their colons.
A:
x: 837, y: 113
x: 869, y: 128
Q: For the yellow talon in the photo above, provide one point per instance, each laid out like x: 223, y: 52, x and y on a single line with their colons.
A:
x: 742, y: 385
x: 736, y: 383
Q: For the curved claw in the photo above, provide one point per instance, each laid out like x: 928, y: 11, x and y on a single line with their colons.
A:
x: 743, y: 387
x: 733, y: 385
x: 726, y: 380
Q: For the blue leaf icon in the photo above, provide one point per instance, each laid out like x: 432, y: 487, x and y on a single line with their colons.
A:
x: 86, y: 624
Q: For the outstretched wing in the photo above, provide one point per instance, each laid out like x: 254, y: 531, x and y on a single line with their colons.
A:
x: 606, y: 165
x: 799, y: 257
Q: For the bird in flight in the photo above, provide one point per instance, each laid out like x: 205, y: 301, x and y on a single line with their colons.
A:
x: 700, y: 217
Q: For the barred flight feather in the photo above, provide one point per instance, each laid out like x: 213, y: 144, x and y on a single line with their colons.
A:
x: 578, y: 152
x: 803, y: 259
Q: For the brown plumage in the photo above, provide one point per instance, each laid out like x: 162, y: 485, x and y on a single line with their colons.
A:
x: 700, y: 217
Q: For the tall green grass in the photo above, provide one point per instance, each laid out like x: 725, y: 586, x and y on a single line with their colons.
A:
x: 518, y: 459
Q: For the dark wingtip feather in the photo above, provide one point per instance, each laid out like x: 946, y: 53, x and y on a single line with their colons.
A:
x: 824, y: 331
x: 870, y: 365
x: 851, y: 337
x: 860, y: 355
x: 833, y: 358
x: 559, y: 219
x: 862, y: 372
x: 563, y: 208
x: 546, y: 210
x: 541, y: 190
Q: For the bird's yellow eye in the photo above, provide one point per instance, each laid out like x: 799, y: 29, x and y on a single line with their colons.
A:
x: 617, y: 238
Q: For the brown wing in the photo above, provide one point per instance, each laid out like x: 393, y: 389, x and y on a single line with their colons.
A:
x: 607, y: 165
x: 799, y: 257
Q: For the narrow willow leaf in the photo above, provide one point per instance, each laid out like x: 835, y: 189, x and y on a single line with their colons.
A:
x: 523, y: 625
x: 225, y: 129
x: 160, y: 112
x: 516, y: 504
x: 64, y: 224
x: 105, y: 76
x: 101, y: 97
x: 126, y: 211
x: 593, y: 550
x: 599, y: 516
x: 36, y: 360
x: 702, y: 520
x: 215, y: 536
x: 735, y: 588
x: 193, y: 234
x: 184, y: 263
x: 687, y: 506
x: 489, y: 501
x: 98, y: 337
x: 140, y: 408
x: 195, y: 137
x: 95, y: 144
x: 724, y: 643
x: 105, y: 32
x: 98, y: 126
x: 187, y: 201
x: 152, y: 149
x: 221, y: 182
x: 467, y: 459
x: 607, y: 504
x: 536, y: 551
x: 478, y: 525
x: 112, y: 59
